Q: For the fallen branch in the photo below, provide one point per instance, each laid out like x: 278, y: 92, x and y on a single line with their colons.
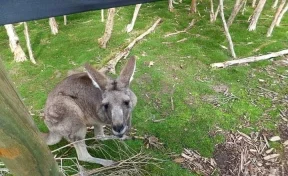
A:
x: 248, y: 59
x: 191, y: 24
x: 110, y: 66
x: 130, y: 26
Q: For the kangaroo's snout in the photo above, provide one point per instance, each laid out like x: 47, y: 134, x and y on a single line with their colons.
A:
x: 119, y: 130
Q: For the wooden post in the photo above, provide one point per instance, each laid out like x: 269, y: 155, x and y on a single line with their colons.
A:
x: 21, y: 148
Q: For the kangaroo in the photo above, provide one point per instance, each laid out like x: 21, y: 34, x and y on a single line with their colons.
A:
x: 90, y: 99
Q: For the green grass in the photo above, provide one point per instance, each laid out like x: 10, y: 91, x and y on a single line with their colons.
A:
x: 181, y: 71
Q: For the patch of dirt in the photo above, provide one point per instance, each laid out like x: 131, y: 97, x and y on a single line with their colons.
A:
x: 283, y: 125
x: 281, y: 62
x: 144, y: 79
x: 220, y: 88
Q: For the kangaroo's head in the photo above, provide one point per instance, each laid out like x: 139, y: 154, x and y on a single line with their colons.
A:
x: 117, y: 99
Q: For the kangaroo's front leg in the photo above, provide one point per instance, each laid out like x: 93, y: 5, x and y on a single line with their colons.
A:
x: 99, y: 131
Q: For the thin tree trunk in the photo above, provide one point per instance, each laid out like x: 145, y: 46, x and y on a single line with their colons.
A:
x: 130, y: 26
x: 28, y: 44
x: 281, y: 15
x: 226, y: 30
x: 102, y: 15
x: 53, y: 25
x: 256, y: 15
x: 244, y: 7
x: 275, y: 4
x: 21, y: 148
x: 237, y: 7
x: 254, y: 3
x: 170, y: 5
x: 65, y: 19
x: 108, y: 29
x: 14, y: 43
x: 280, y: 8
x: 212, y: 14
x: 193, y: 7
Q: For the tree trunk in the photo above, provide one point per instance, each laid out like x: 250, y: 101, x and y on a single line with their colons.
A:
x: 254, y: 3
x: 170, y: 5
x: 28, y: 44
x: 212, y: 14
x: 102, y: 15
x: 280, y: 8
x: 281, y: 15
x: 275, y: 4
x: 53, y: 25
x: 237, y: 7
x: 65, y: 19
x: 19, y: 55
x: 130, y: 26
x: 108, y: 29
x: 21, y: 148
x: 193, y: 7
x: 256, y: 15
x: 226, y: 30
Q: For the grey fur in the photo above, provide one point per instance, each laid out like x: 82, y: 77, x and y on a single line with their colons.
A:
x: 95, y: 100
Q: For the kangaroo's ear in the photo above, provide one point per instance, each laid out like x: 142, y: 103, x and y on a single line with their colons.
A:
x: 126, y: 75
x: 98, y: 79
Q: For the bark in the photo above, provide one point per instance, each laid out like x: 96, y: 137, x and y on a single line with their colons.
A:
x: 28, y: 44
x: 65, y: 19
x: 212, y: 14
x: 256, y: 15
x: 281, y: 15
x: 237, y: 7
x: 21, y: 148
x: 249, y: 59
x: 280, y: 8
x: 244, y: 7
x: 254, y: 3
x: 170, y: 5
x: 108, y: 28
x: 102, y: 15
x: 110, y: 66
x: 275, y: 4
x: 193, y: 7
x: 226, y: 30
x: 14, y: 43
x: 53, y: 25
x: 130, y: 26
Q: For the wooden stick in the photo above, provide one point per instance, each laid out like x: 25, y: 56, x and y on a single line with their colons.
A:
x: 191, y: 24
x: 108, y: 28
x: 237, y: 7
x: 270, y: 30
x: 130, y: 26
x: 275, y: 4
x: 281, y: 15
x: 249, y: 59
x: 110, y: 66
x: 102, y: 15
x: 226, y: 30
x: 65, y: 19
x: 28, y: 44
x: 53, y: 25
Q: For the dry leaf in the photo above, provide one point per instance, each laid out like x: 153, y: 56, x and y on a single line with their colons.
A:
x: 269, y: 157
x: 151, y: 63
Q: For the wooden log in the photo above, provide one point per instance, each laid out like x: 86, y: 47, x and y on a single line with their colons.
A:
x: 226, y: 29
x: 21, y: 148
x: 53, y: 25
x: 248, y: 59
x: 110, y: 66
x: 108, y: 28
x: 28, y: 43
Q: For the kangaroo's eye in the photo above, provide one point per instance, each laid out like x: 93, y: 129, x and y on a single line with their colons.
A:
x: 106, y: 106
x: 126, y: 103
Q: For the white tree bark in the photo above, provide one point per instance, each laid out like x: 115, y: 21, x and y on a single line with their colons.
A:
x: 281, y: 15
x: 249, y: 59
x: 256, y: 15
x: 170, y: 5
x: 53, y: 25
x: 28, y: 44
x: 102, y: 15
x: 65, y: 19
x: 275, y: 4
x: 237, y: 7
x: 19, y: 55
x: 130, y: 26
x: 226, y: 30
x: 212, y: 14
x: 108, y: 28
x: 254, y: 3
x: 280, y: 8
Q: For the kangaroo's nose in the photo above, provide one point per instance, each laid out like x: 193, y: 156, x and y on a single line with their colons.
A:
x: 118, y: 128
